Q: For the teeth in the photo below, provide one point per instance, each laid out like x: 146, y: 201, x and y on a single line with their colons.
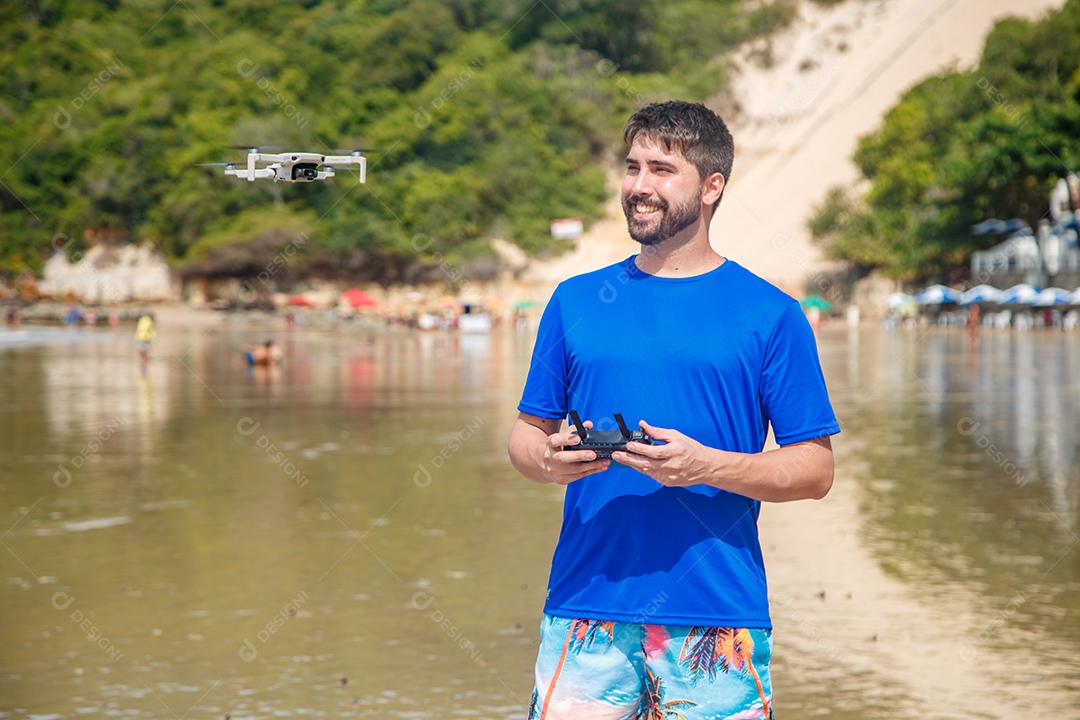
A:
x: 643, y: 208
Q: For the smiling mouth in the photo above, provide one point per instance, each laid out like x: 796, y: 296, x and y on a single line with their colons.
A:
x: 642, y: 209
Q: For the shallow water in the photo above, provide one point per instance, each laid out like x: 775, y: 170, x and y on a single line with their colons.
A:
x: 344, y: 537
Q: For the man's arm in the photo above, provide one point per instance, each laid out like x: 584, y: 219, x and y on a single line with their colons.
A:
x: 535, y: 449
x: 528, y: 438
x: 799, y: 471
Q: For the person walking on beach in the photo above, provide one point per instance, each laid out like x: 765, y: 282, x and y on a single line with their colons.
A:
x: 145, y: 334
x: 657, y: 603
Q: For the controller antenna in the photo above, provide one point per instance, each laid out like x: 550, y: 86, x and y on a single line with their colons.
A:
x: 580, y: 426
x: 622, y: 425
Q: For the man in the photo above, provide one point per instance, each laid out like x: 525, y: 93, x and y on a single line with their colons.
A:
x: 657, y: 604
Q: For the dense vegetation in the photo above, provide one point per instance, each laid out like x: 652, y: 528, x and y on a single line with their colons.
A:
x: 960, y: 147
x: 485, y: 118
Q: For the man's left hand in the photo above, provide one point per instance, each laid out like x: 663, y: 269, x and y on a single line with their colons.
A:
x: 682, y: 461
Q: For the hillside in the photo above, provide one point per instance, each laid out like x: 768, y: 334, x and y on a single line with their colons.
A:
x: 836, y: 71
x: 480, y: 118
x: 986, y: 140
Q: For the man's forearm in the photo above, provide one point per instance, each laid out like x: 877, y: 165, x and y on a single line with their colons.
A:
x: 800, y: 471
x: 526, y: 447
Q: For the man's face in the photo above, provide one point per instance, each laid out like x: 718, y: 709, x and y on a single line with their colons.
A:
x: 661, y: 192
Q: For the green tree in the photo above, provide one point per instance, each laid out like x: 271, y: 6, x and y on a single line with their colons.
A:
x: 960, y: 147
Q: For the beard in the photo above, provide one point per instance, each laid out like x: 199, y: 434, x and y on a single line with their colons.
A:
x: 663, y: 224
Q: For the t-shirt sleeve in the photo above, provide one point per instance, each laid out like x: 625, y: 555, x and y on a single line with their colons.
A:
x: 546, y: 383
x: 793, y: 392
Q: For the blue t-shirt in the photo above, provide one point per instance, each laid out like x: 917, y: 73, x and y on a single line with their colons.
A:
x: 717, y: 356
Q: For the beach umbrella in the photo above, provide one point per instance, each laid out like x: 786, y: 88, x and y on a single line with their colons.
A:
x: 981, y: 294
x: 1016, y: 224
x: 1052, y: 296
x: 993, y: 226
x: 357, y: 298
x: 299, y: 301
x: 1022, y: 294
x: 816, y: 301
x: 938, y: 295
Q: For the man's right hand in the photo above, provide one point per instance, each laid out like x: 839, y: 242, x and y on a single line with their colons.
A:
x: 563, y: 467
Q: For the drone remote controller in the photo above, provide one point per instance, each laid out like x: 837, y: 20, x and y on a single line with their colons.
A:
x: 605, y: 442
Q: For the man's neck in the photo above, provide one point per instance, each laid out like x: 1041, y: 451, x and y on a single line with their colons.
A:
x: 680, y: 256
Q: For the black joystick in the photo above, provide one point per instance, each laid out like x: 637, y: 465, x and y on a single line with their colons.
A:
x: 605, y: 442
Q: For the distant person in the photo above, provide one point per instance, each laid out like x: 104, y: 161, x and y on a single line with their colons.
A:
x: 264, y: 355
x: 657, y: 605
x: 14, y: 321
x: 145, y: 334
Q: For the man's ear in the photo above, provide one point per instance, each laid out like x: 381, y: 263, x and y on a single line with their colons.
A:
x: 712, y: 188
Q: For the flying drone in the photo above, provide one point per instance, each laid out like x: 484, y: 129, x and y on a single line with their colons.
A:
x: 294, y: 166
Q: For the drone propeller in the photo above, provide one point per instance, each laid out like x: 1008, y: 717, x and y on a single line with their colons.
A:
x: 350, y: 151
x: 258, y: 147
x: 225, y: 164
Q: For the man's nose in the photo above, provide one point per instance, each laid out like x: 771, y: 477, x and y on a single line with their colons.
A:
x: 642, y: 184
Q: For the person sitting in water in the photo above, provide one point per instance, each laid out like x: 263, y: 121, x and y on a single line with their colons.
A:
x: 266, y: 354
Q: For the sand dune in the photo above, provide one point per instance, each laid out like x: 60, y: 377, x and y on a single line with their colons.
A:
x: 836, y: 72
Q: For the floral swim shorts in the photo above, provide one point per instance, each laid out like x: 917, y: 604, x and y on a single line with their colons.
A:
x: 593, y: 670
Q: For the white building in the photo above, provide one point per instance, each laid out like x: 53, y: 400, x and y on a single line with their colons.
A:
x: 108, y: 274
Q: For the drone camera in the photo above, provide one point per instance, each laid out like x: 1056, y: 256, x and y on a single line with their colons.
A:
x: 305, y: 171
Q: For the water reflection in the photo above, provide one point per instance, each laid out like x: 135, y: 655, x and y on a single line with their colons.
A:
x: 343, y: 536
